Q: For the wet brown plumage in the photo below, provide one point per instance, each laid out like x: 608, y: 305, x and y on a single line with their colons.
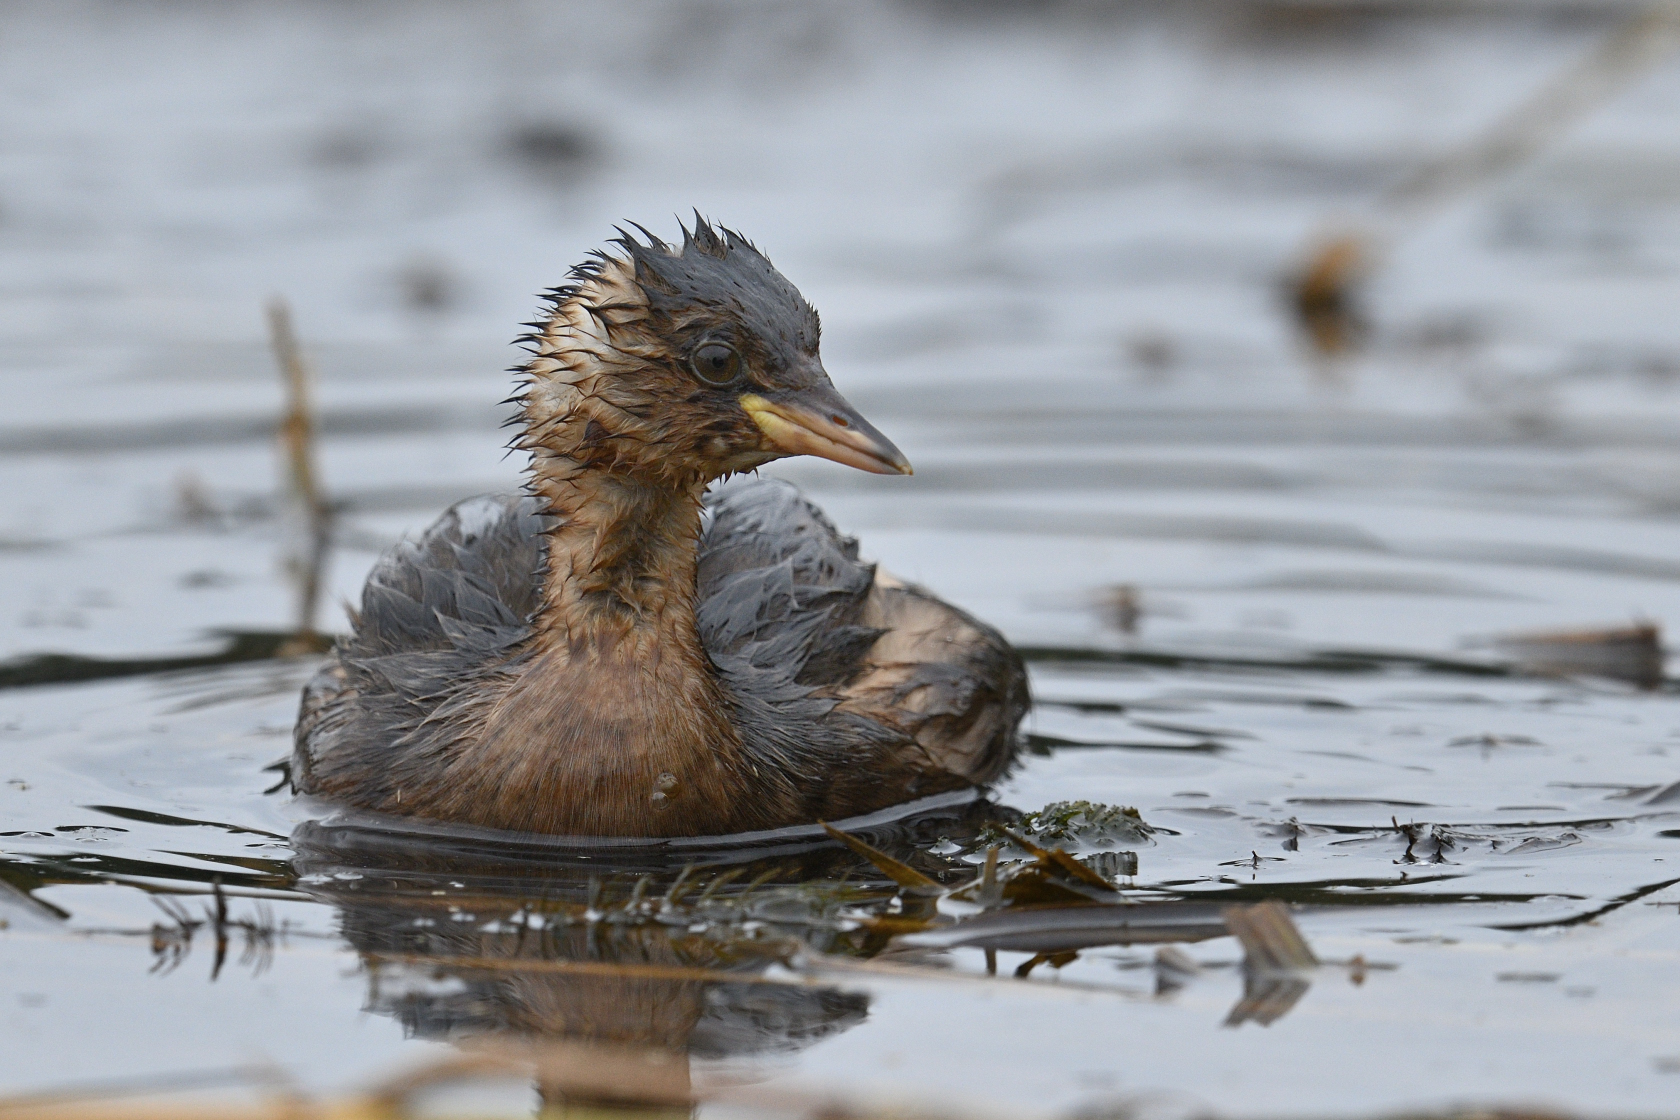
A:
x: 621, y: 652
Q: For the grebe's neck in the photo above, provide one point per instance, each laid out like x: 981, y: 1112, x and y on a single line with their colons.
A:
x: 615, y: 690
x: 621, y: 562
x: 622, y: 556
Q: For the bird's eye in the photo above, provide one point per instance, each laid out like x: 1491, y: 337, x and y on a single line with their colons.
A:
x: 715, y: 363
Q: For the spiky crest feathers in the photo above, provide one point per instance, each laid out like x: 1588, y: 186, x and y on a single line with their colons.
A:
x: 617, y: 314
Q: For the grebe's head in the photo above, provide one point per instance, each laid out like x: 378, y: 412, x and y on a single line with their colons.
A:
x: 686, y: 363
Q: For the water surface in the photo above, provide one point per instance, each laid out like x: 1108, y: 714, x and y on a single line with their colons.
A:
x: 1048, y: 253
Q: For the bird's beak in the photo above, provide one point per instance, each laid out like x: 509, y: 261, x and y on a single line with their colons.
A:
x: 819, y: 421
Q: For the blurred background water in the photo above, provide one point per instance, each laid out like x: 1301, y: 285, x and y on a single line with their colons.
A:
x: 1058, y: 249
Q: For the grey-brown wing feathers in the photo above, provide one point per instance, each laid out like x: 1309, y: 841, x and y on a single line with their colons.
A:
x: 436, y: 615
x: 787, y: 607
x: 943, y: 678
x: 779, y: 593
x: 472, y: 579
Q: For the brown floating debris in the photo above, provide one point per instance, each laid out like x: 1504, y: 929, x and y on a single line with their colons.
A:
x: 1037, y: 883
x: 1276, y: 962
x: 1324, y: 296
x: 1050, y: 905
x: 1624, y: 653
x: 1270, y: 939
x: 1052, y: 878
x: 901, y: 873
x: 1059, y: 859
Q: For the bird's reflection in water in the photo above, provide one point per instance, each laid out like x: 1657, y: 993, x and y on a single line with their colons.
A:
x: 471, y: 937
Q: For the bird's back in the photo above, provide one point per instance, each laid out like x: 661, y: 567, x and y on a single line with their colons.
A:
x: 859, y: 691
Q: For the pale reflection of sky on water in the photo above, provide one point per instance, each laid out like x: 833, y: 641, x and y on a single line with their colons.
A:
x: 1048, y: 243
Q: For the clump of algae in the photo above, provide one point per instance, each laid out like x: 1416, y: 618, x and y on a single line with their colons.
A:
x: 1089, y: 823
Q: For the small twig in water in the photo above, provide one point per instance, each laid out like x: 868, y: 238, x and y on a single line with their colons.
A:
x: 219, y: 917
x: 1323, y: 288
x: 306, y: 506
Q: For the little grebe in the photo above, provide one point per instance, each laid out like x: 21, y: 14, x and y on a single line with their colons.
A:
x: 617, y: 652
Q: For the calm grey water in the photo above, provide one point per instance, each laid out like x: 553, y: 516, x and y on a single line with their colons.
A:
x: 1047, y: 244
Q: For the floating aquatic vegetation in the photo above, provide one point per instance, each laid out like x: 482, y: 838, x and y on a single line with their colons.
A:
x: 1087, y: 823
x: 1051, y: 904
